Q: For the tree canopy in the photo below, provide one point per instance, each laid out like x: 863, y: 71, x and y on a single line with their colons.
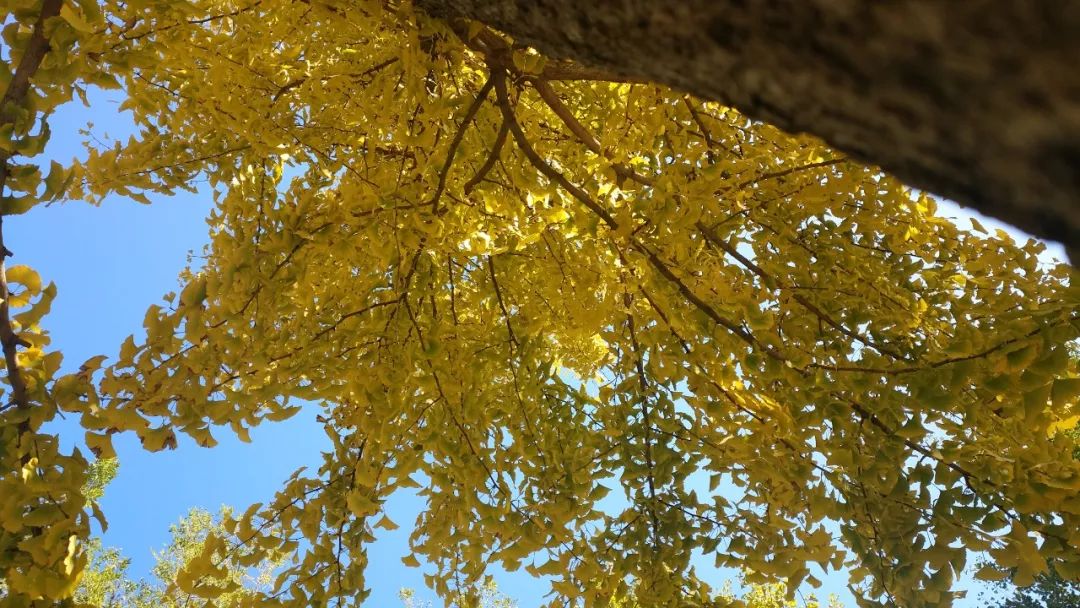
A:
x: 601, y: 325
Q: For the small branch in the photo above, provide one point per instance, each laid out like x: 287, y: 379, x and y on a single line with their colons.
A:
x: 502, y: 304
x: 767, y: 176
x: 541, y: 165
x: 719, y: 243
x: 292, y: 84
x: 705, y: 135
x: 646, y: 417
x: 493, y: 157
x: 946, y: 361
x: 583, y: 197
x: 456, y: 142
x: 789, y: 171
x: 567, y: 117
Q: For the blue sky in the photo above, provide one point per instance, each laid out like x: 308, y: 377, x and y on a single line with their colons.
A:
x: 109, y: 264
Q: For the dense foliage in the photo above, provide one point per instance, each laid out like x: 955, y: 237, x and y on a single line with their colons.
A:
x: 107, y: 582
x: 1048, y: 591
x: 521, y: 284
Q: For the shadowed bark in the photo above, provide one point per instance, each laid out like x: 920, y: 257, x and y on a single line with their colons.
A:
x: 974, y: 100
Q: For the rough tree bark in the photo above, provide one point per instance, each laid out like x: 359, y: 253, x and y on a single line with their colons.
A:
x: 975, y: 100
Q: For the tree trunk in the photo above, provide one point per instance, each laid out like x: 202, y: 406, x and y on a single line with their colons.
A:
x: 974, y: 100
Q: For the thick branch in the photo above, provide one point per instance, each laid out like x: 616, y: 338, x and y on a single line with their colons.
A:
x: 974, y: 101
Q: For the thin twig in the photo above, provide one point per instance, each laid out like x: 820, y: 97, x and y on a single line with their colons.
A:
x: 474, y: 107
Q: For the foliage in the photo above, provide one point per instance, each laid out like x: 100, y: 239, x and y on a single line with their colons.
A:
x: 523, y: 283
x: 1049, y: 590
x: 756, y: 596
x: 98, y: 475
x: 775, y: 596
x: 106, y: 582
x: 43, y: 512
x: 487, y: 596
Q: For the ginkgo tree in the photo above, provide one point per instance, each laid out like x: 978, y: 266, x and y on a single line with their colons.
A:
x: 47, y: 58
x: 520, y: 285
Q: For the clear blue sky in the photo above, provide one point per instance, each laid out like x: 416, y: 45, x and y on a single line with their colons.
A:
x: 109, y: 264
